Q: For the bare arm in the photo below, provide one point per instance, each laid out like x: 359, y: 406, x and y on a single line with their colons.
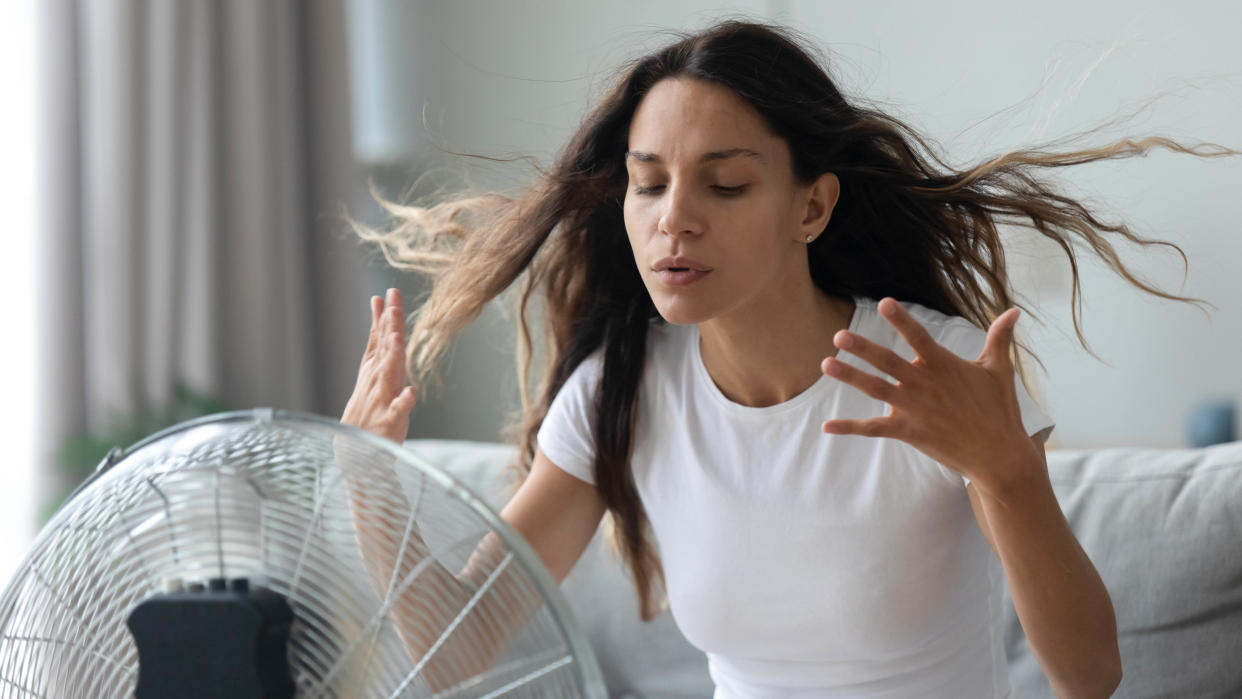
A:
x: 1060, y: 599
x: 555, y: 512
x: 453, y: 625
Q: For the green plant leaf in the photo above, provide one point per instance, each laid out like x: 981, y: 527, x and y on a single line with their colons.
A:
x: 79, y: 455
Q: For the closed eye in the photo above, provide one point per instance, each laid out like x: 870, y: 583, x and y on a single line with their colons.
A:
x: 726, y: 191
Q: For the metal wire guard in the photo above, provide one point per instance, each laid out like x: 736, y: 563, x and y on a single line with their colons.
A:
x: 267, y: 495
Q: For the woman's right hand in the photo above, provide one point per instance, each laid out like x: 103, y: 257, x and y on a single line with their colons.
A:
x: 382, y: 398
x: 421, y: 608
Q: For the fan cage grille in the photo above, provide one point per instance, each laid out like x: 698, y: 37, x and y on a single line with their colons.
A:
x: 327, y: 515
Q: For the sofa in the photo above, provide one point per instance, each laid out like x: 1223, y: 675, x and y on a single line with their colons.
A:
x: 1162, y: 526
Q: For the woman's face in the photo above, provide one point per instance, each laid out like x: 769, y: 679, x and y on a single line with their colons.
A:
x: 710, y: 183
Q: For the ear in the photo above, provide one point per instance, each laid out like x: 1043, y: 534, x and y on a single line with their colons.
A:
x: 819, y: 200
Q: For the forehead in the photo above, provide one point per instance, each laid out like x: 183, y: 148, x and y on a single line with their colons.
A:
x: 698, y: 122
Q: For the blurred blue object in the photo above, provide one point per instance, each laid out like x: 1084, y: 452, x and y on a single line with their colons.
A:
x: 1212, y: 422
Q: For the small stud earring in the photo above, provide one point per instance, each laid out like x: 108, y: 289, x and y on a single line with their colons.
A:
x: 809, y: 238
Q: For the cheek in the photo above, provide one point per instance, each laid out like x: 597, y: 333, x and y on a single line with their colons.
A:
x: 634, y: 227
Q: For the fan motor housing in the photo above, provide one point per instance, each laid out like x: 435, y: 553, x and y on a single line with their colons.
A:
x: 225, y: 640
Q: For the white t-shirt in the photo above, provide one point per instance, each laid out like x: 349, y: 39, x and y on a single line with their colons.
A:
x: 806, y: 564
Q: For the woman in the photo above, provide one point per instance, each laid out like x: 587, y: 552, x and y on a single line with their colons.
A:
x: 735, y: 261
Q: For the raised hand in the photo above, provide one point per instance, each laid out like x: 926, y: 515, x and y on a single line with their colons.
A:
x: 382, y: 398
x: 421, y: 596
x: 963, y: 414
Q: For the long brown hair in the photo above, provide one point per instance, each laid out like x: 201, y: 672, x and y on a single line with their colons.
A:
x: 906, y: 225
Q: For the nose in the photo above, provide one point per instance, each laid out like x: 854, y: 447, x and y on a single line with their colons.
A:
x: 680, y: 215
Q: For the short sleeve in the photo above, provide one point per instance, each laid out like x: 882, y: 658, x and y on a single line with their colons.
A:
x: 967, y: 342
x: 565, y: 435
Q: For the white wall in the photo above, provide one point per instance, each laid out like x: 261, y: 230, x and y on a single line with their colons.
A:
x: 948, y: 69
x: 518, y: 82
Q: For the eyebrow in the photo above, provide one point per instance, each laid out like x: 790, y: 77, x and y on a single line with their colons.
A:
x: 645, y: 157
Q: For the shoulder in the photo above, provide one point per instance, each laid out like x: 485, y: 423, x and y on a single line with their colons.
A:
x: 592, y: 365
x: 664, y: 341
x: 943, y: 326
x: 955, y: 332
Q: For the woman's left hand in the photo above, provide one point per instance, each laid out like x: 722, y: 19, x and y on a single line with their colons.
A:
x: 963, y: 414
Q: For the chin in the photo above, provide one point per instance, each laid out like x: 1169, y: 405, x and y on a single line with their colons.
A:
x: 681, y: 313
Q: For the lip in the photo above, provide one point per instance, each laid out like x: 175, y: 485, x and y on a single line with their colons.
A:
x: 666, y: 263
x: 681, y: 277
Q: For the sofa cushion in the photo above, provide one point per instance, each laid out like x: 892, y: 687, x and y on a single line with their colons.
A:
x: 652, y: 660
x: 1164, y: 529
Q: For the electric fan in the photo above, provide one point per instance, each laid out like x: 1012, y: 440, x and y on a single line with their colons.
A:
x: 267, y: 554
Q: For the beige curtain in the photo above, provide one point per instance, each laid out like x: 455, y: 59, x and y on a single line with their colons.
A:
x: 175, y: 241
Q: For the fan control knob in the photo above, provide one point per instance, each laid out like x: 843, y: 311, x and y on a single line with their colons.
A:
x: 226, y: 640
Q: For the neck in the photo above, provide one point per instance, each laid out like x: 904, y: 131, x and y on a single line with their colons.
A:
x: 771, y: 352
